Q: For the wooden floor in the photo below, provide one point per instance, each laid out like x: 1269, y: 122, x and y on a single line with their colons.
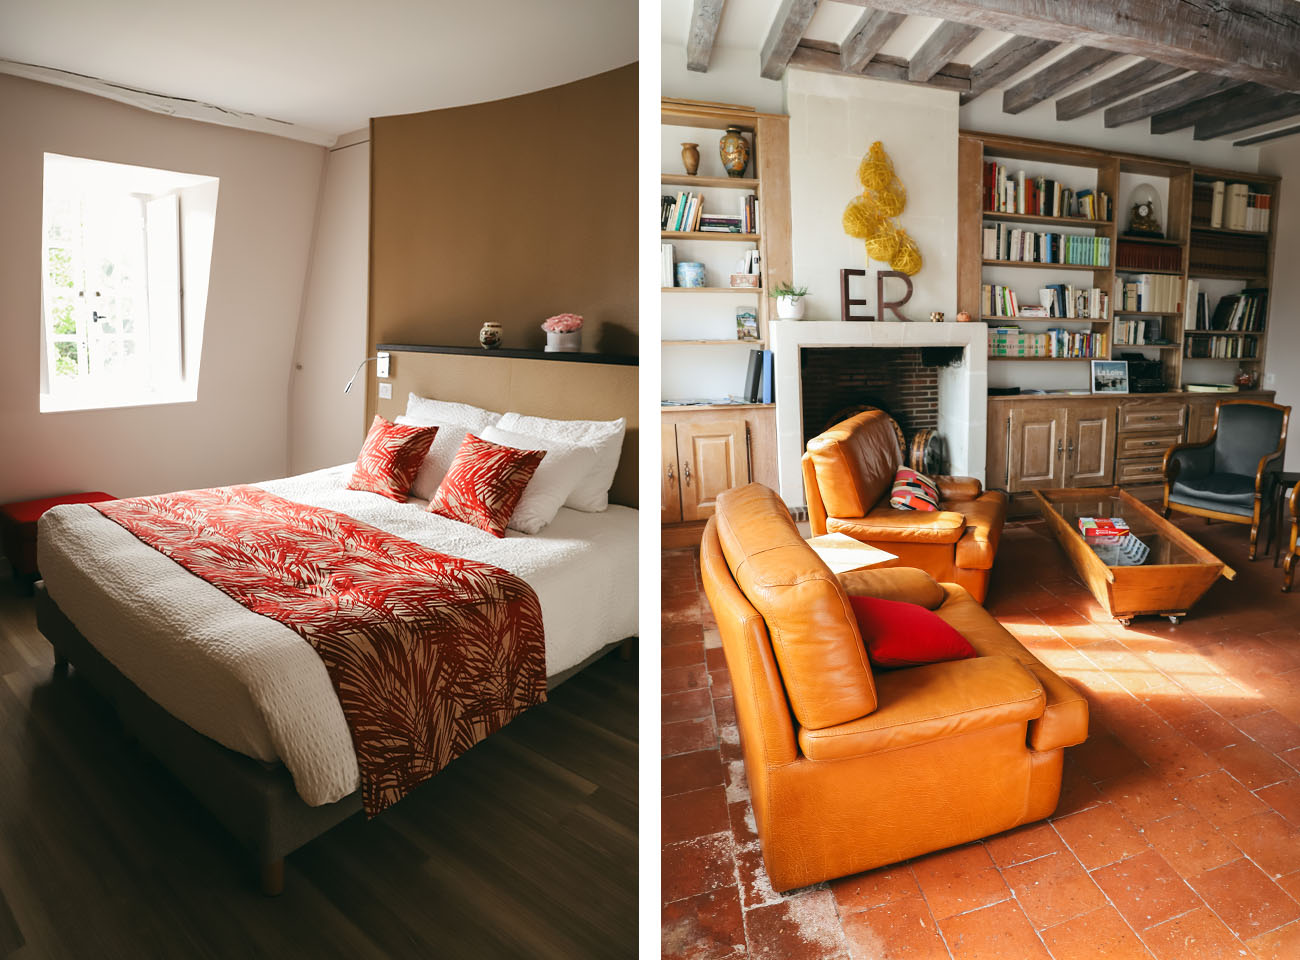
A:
x: 524, y: 847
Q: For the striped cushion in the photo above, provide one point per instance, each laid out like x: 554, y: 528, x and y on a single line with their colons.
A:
x: 913, y: 491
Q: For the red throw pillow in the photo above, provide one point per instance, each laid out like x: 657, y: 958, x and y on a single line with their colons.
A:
x: 390, y: 458
x: 899, y: 634
x: 484, y: 483
x: 913, y: 491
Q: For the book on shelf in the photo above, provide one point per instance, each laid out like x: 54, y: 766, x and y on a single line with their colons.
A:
x: 666, y: 265
x: 1221, y: 348
x: 1239, y: 311
x: 684, y: 213
x: 746, y: 323
x: 1057, y: 343
x: 1216, y: 207
x: 1148, y: 256
x: 1059, y: 300
x: 1016, y: 193
x: 1150, y: 293
x: 1013, y: 244
x: 1231, y: 206
x: 1139, y: 331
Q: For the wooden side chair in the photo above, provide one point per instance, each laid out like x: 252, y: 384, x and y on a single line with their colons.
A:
x: 1288, y: 566
x: 1225, y: 477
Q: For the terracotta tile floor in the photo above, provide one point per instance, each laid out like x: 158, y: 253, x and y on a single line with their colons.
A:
x: 1178, y: 831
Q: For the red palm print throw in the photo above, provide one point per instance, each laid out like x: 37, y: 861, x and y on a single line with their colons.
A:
x: 428, y: 653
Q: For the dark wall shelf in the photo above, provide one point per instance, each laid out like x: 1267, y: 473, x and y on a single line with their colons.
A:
x: 622, y: 359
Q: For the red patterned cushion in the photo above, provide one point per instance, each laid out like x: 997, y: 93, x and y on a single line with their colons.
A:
x: 484, y: 483
x: 913, y: 491
x: 390, y: 458
x: 899, y: 634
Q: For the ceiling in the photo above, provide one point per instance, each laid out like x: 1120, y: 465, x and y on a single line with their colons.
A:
x: 325, y: 66
x: 1229, y: 73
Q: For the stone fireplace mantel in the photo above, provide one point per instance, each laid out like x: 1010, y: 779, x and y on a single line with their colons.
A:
x: 963, y: 387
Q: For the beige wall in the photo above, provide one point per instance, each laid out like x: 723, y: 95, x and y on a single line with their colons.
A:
x: 512, y: 211
x: 1283, y: 358
x: 237, y: 429
x: 326, y: 425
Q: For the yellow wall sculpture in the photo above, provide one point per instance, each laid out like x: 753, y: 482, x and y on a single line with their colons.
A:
x: 870, y: 215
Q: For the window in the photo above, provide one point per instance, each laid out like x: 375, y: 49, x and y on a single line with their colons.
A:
x: 115, y: 324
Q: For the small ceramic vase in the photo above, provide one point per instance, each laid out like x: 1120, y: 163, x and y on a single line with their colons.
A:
x: 789, y: 308
x: 691, y: 158
x: 563, y: 342
x: 734, y: 150
x: 963, y: 317
x: 936, y: 317
x: 489, y: 335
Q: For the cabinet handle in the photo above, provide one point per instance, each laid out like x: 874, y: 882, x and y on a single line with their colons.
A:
x: 1151, y: 443
x: 1058, y: 447
x: 686, y: 472
x: 1154, y: 416
x: 1069, y: 447
x: 671, y: 478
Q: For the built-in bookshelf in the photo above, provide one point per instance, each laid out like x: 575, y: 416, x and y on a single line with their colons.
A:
x: 1192, y: 296
x: 746, y: 230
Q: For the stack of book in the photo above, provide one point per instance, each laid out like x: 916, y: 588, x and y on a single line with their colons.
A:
x: 1149, y: 256
x: 1075, y: 303
x: 1222, y: 348
x: 1139, y: 331
x: 1103, y: 529
x: 1058, y: 343
x: 681, y: 214
x: 1006, y: 192
x: 1003, y: 242
x: 1150, y: 293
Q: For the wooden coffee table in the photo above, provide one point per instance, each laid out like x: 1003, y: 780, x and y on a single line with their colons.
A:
x: 1174, y: 575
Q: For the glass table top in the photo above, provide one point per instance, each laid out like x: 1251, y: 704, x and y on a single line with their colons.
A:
x: 1152, y: 529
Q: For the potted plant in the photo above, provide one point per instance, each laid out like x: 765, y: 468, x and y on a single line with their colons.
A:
x: 563, y: 333
x: 789, y: 300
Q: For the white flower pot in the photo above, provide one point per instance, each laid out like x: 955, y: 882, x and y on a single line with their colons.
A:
x: 789, y: 308
x: 564, y: 342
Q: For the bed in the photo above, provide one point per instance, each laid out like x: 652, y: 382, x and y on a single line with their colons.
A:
x: 237, y: 705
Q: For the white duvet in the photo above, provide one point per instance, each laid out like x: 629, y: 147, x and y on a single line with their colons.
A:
x: 255, y: 686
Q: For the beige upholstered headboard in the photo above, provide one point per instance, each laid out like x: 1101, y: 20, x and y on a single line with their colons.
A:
x: 563, y: 388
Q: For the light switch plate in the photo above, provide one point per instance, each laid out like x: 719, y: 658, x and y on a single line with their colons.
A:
x: 1270, y: 380
x: 381, y: 365
x: 385, y: 391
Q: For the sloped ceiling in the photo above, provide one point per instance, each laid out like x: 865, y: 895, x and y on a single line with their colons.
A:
x: 323, y: 66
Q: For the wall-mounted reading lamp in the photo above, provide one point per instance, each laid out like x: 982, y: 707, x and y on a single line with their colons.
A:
x: 381, y: 368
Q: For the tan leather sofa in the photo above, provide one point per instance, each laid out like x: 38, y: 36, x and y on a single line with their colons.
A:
x: 848, y: 473
x: 850, y: 769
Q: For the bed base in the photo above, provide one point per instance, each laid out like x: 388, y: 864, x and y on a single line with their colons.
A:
x: 255, y: 801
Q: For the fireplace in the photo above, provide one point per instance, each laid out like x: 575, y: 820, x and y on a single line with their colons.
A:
x: 926, y: 375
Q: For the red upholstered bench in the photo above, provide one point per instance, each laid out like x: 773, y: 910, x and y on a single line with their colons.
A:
x: 18, y: 529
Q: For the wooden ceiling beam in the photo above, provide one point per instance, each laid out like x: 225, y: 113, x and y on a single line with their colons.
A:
x: 783, y: 36
x: 1054, y: 77
x: 1270, y: 135
x: 705, y: 15
x: 1168, y: 97
x: 938, y: 49
x: 1167, y: 121
x: 869, y: 34
x: 825, y: 58
x: 1280, y: 106
x: 1146, y: 73
x: 1005, y: 62
x: 1250, y: 40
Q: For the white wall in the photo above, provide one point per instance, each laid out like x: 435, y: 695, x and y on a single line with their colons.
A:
x: 732, y: 78
x: 236, y: 431
x: 833, y: 122
x: 326, y: 426
x: 1282, y: 361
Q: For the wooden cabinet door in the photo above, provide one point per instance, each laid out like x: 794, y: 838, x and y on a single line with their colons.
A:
x: 1089, y: 445
x: 1200, y: 420
x: 712, y: 456
x: 670, y: 510
x: 1037, y: 447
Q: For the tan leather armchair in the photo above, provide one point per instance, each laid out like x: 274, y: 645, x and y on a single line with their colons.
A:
x: 850, y: 769
x: 848, y: 473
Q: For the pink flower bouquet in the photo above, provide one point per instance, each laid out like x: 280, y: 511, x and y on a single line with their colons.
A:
x: 563, y: 323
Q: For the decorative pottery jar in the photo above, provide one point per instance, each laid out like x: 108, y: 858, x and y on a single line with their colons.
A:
x: 963, y: 317
x: 734, y: 150
x: 489, y: 335
x: 690, y: 274
x: 691, y: 158
x: 936, y: 317
x: 563, y: 342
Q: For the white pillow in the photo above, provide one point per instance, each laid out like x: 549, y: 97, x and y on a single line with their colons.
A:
x: 425, y: 412
x: 564, y: 465
x: 605, y: 437
x: 437, y: 461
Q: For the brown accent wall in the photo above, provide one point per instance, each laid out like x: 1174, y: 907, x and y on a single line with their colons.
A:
x: 512, y: 211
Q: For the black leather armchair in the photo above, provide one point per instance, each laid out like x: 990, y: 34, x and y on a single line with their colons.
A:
x: 1225, y: 477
